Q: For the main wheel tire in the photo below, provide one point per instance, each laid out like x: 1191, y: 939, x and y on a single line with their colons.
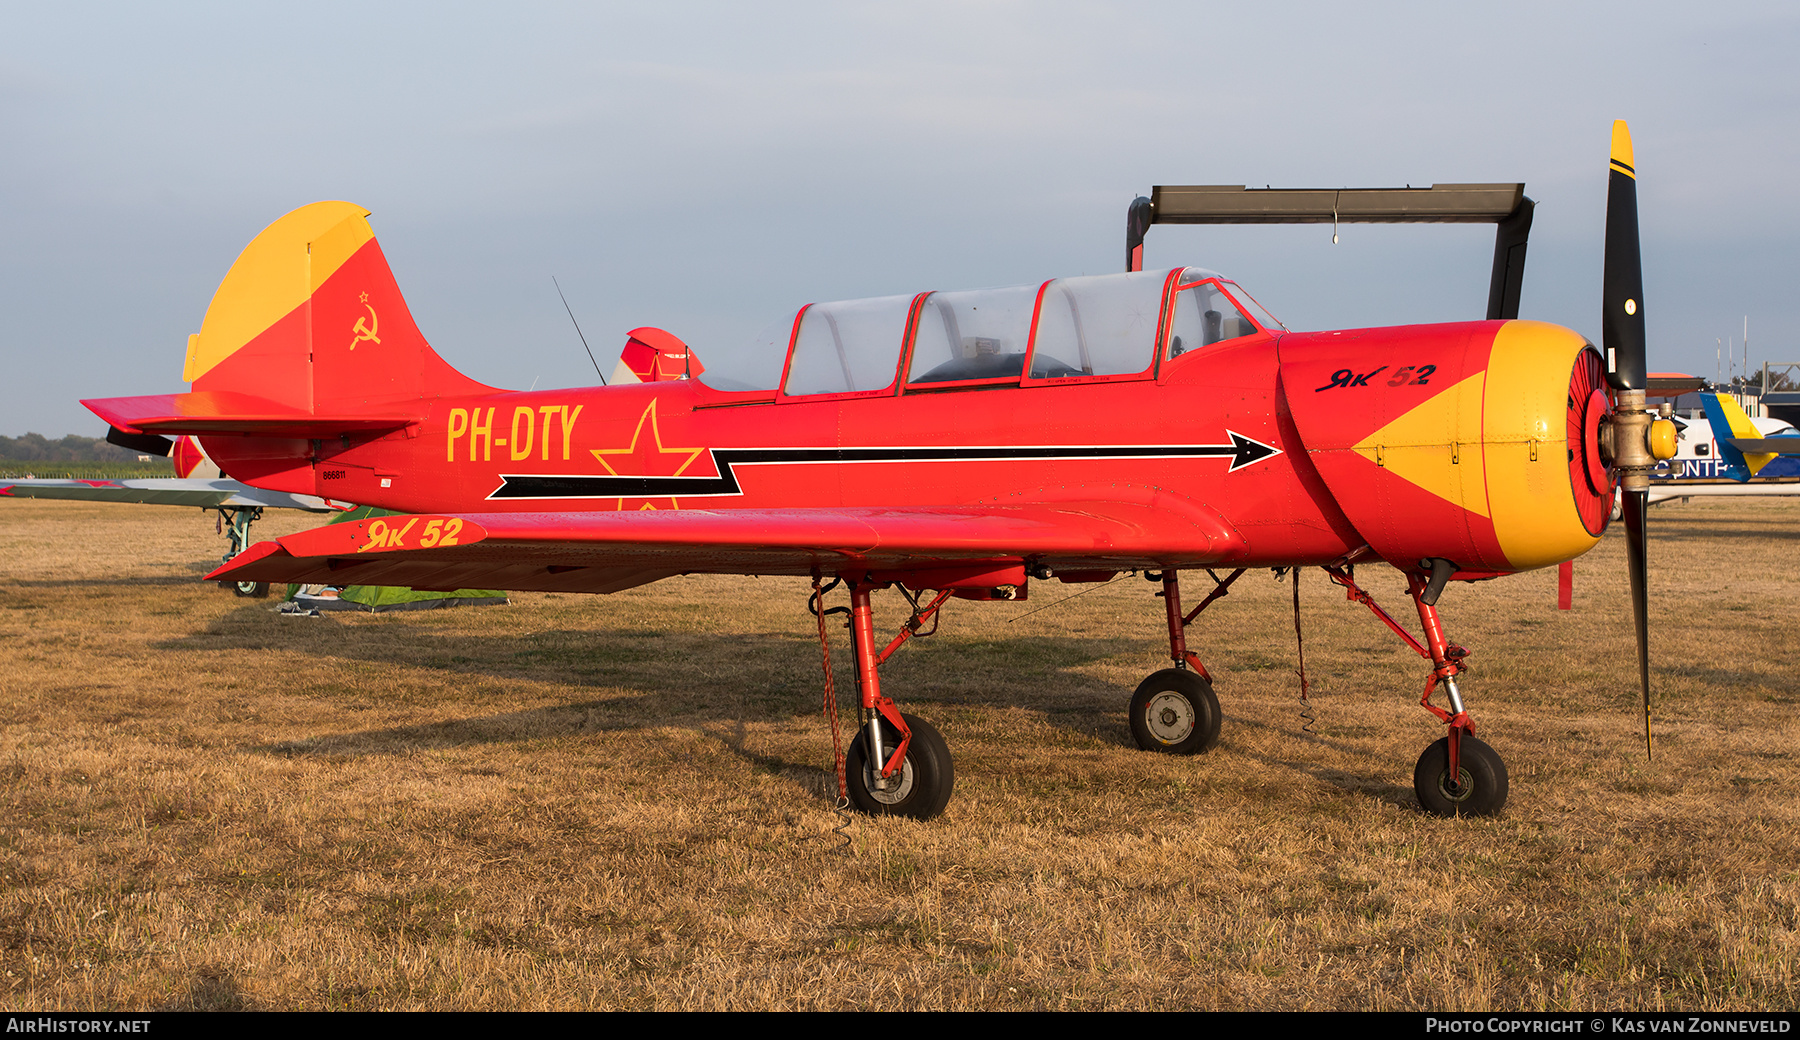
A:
x: 251, y: 589
x: 919, y: 789
x: 1176, y: 713
x: 1480, y: 789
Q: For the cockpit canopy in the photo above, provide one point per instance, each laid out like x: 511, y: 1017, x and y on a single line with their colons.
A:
x: 1090, y: 328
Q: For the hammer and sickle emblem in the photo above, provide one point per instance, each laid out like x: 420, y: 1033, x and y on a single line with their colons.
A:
x: 365, y: 331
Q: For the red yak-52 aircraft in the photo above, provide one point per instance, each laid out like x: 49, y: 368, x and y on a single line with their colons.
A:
x: 955, y: 443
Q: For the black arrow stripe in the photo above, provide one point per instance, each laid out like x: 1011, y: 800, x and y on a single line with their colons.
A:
x: 1242, y: 451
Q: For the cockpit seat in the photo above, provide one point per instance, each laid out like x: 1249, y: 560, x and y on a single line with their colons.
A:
x: 994, y: 366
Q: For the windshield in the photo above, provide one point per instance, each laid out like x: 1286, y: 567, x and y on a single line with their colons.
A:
x: 1257, y: 310
x: 1205, y: 313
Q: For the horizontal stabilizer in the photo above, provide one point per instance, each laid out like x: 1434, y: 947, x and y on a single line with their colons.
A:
x: 223, y: 411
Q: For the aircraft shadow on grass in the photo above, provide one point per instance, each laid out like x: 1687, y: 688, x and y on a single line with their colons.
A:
x: 1350, y: 783
x: 752, y: 677
x: 770, y: 679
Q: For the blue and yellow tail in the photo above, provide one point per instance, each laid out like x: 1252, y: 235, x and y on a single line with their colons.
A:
x: 1729, y: 424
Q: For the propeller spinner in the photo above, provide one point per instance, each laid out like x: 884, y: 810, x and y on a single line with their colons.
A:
x: 1626, y: 438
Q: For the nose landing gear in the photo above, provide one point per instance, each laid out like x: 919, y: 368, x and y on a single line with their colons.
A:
x: 1458, y: 775
x: 1477, y: 788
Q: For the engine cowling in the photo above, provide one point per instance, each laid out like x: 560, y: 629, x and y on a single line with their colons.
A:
x: 1477, y: 443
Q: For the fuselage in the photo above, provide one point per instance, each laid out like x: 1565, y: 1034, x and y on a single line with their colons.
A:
x: 1462, y: 441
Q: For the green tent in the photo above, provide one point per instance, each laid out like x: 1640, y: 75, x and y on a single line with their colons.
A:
x: 380, y: 598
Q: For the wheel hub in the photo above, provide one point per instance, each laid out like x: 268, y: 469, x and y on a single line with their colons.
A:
x: 1457, y: 790
x: 1170, y: 718
x: 889, y: 790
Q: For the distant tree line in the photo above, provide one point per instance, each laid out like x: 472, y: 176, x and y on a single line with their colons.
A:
x: 1778, y: 379
x: 35, y: 447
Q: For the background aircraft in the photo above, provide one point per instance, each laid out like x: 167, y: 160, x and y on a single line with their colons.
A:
x: 1718, y: 455
x: 956, y: 443
x: 198, y: 482
x: 654, y: 356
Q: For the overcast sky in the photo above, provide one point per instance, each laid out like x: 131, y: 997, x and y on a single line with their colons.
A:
x: 703, y: 167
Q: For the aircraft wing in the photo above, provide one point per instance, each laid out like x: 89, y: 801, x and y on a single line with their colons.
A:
x: 611, y: 551
x: 168, y: 491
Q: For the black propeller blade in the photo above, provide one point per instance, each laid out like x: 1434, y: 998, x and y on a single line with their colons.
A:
x: 1622, y: 338
x: 1622, y: 291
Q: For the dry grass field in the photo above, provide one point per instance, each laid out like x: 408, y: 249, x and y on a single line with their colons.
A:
x: 622, y: 802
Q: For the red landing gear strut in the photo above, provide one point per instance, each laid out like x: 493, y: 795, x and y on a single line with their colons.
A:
x: 1175, y: 711
x: 1459, y: 774
x: 896, y: 765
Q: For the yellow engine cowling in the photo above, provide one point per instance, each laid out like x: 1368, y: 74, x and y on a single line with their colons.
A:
x: 1490, y: 459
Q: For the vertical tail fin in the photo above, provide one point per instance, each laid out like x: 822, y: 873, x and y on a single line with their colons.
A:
x: 1728, y: 420
x: 310, y: 317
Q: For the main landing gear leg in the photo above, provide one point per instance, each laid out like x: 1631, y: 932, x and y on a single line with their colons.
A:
x: 1458, y: 775
x: 1175, y: 711
x: 898, y: 765
x: 238, y: 539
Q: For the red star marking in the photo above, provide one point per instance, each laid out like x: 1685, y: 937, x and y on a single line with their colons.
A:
x: 647, y: 457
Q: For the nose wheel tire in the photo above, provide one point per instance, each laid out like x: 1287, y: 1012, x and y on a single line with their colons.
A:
x: 1479, y: 788
x: 251, y: 589
x: 920, y: 788
x: 1175, y: 712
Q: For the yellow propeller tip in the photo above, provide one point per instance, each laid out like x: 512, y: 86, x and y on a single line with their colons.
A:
x: 1621, y: 149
